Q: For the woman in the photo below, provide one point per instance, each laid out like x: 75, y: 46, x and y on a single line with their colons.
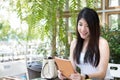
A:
x: 89, y: 51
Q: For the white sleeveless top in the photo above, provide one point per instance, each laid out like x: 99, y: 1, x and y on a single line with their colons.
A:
x: 86, y: 68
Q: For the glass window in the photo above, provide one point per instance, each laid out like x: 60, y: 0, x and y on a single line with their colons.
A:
x: 113, y: 20
x: 98, y: 4
x: 112, y: 4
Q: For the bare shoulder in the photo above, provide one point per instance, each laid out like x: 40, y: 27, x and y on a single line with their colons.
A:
x: 73, y: 43
x: 72, y: 47
x: 103, y: 41
x: 103, y: 46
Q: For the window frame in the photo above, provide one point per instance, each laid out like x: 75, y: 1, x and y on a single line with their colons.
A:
x: 100, y: 17
x: 107, y: 14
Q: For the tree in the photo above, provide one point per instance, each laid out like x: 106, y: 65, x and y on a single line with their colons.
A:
x: 4, y: 30
x: 35, y: 11
x: 51, y: 11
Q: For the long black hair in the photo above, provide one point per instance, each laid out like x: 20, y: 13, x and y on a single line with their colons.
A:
x: 92, y: 54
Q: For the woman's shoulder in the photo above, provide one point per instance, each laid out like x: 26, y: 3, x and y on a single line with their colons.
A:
x: 73, y: 44
x: 74, y: 41
x: 103, y: 41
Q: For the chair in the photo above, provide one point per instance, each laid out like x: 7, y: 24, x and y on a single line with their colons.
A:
x: 13, y: 70
x: 113, y: 70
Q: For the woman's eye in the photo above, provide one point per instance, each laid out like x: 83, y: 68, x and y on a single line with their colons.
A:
x: 80, y: 24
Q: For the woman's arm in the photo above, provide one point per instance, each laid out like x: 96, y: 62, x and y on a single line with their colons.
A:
x: 104, y: 59
x: 72, y: 46
x: 71, y: 59
x: 76, y: 76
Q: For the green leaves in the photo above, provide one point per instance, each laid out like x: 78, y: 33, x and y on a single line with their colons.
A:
x: 4, y: 30
x: 55, y: 28
x: 113, y: 38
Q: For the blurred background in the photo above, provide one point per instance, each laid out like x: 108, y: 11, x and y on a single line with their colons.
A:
x: 35, y: 29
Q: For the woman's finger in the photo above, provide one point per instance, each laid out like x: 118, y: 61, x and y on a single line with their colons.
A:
x: 75, y: 76
x: 60, y: 76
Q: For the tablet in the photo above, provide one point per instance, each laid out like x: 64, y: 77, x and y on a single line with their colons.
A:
x: 64, y: 66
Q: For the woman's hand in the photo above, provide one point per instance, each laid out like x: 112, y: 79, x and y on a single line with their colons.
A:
x: 60, y: 76
x: 76, y: 76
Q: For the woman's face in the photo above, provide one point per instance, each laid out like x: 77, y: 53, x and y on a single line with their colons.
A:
x: 83, y: 29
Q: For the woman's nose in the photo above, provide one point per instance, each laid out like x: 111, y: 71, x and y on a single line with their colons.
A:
x: 83, y: 28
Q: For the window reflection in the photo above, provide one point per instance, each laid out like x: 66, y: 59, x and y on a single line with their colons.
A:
x: 95, y: 3
x: 98, y: 4
x: 113, y: 3
x: 114, y: 21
